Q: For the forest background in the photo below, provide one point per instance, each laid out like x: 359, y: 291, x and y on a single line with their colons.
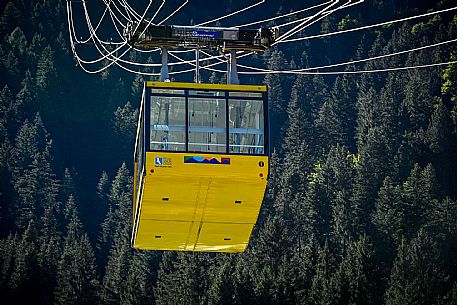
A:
x: 361, y: 201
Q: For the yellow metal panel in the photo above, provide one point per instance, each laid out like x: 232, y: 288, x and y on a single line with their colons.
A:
x: 211, y: 206
x: 170, y: 199
x: 224, y: 237
x: 234, y: 201
x: 205, y: 86
x: 162, y: 235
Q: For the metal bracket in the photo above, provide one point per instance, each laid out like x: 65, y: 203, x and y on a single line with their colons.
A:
x: 232, y: 72
x: 164, y: 76
x: 197, y: 78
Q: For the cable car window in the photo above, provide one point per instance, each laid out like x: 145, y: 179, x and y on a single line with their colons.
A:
x: 167, y: 91
x: 246, y: 94
x: 207, y: 93
x: 168, y: 123
x: 207, y: 126
x: 246, y: 127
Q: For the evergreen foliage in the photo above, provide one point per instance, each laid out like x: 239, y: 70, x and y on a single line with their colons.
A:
x: 361, y: 202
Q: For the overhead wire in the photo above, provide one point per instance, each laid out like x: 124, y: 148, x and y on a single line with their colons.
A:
x: 231, y: 14
x: 174, y: 12
x: 360, y: 71
x: 124, y: 13
x: 367, y: 26
x: 93, y: 35
x: 114, y: 18
x: 305, y: 20
x: 282, y: 16
x: 262, y: 71
x: 130, y: 10
x: 158, y: 10
x: 323, y: 15
x: 110, y: 53
x: 114, y: 59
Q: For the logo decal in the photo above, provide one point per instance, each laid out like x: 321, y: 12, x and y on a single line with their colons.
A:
x: 206, y: 160
x: 162, y: 162
x: 207, y: 34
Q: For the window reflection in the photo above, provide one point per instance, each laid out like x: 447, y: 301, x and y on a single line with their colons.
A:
x: 207, y: 127
x: 246, y: 131
x: 168, y: 123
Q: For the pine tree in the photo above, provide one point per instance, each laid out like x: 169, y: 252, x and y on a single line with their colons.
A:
x: 338, y: 172
x: 125, y: 271
x: 443, y: 217
x: 325, y: 289
x: 24, y: 273
x: 276, y: 94
x: 10, y: 17
x: 125, y: 120
x: 336, y: 119
x: 18, y: 41
x: 419, y: 192
x: 77, y: 281
x: 116, y: 272
x: 359, y: 273
x: 49, y: 251
x: 186, y: 282
x: 271, y: 262
x: 389, y: 214
x: 441, y: 140
x: 138, y: 285
x: 46, y: 70
x: 417, y: 276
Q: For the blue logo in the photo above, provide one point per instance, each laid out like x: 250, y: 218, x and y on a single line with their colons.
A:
x: 162, y: 162
x: 206, y: 34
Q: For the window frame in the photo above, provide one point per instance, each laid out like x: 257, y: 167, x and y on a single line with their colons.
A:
x: 227, y: 95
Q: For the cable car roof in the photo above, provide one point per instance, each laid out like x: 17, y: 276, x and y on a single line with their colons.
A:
x: 197, y: 86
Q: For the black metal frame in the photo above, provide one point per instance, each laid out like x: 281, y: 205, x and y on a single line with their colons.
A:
x: 186, y: 95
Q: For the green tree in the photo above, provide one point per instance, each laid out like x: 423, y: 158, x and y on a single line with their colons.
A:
x: 77, y: 280
x: 276, y: 94
x: 417, y: 276
x: 336, y: 120
x: 359, y: 272
x: 419, y: 192
x: 184, y: 280
x: 18, y: 41
x: 46, y: 70
x: 325, y: 289
x: 389, y: 214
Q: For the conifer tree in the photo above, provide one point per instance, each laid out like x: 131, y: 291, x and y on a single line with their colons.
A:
x: 336, y: 119
x: 389, y: 214
x: 186, y: 282
x: 359, y: 273
x: 77, y: 280
x: 276, y: 93
x: 417, y: 276
x: 138, y: 283
x: 325, y: 288
x: 46, y: 70
x: 23, y: 276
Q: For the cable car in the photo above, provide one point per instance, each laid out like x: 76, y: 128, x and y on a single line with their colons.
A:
x: 201, y: 166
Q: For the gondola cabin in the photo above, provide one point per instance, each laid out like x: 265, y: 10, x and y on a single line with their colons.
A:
x: 201, y: 166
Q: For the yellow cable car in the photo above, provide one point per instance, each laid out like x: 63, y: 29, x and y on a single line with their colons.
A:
x: 201, y: 166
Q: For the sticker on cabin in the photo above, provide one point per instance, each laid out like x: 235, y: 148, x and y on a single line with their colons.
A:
x: 162, y: 162
x: 206, y: 160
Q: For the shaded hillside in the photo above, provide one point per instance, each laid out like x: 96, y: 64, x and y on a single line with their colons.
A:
x: 361, y: 201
